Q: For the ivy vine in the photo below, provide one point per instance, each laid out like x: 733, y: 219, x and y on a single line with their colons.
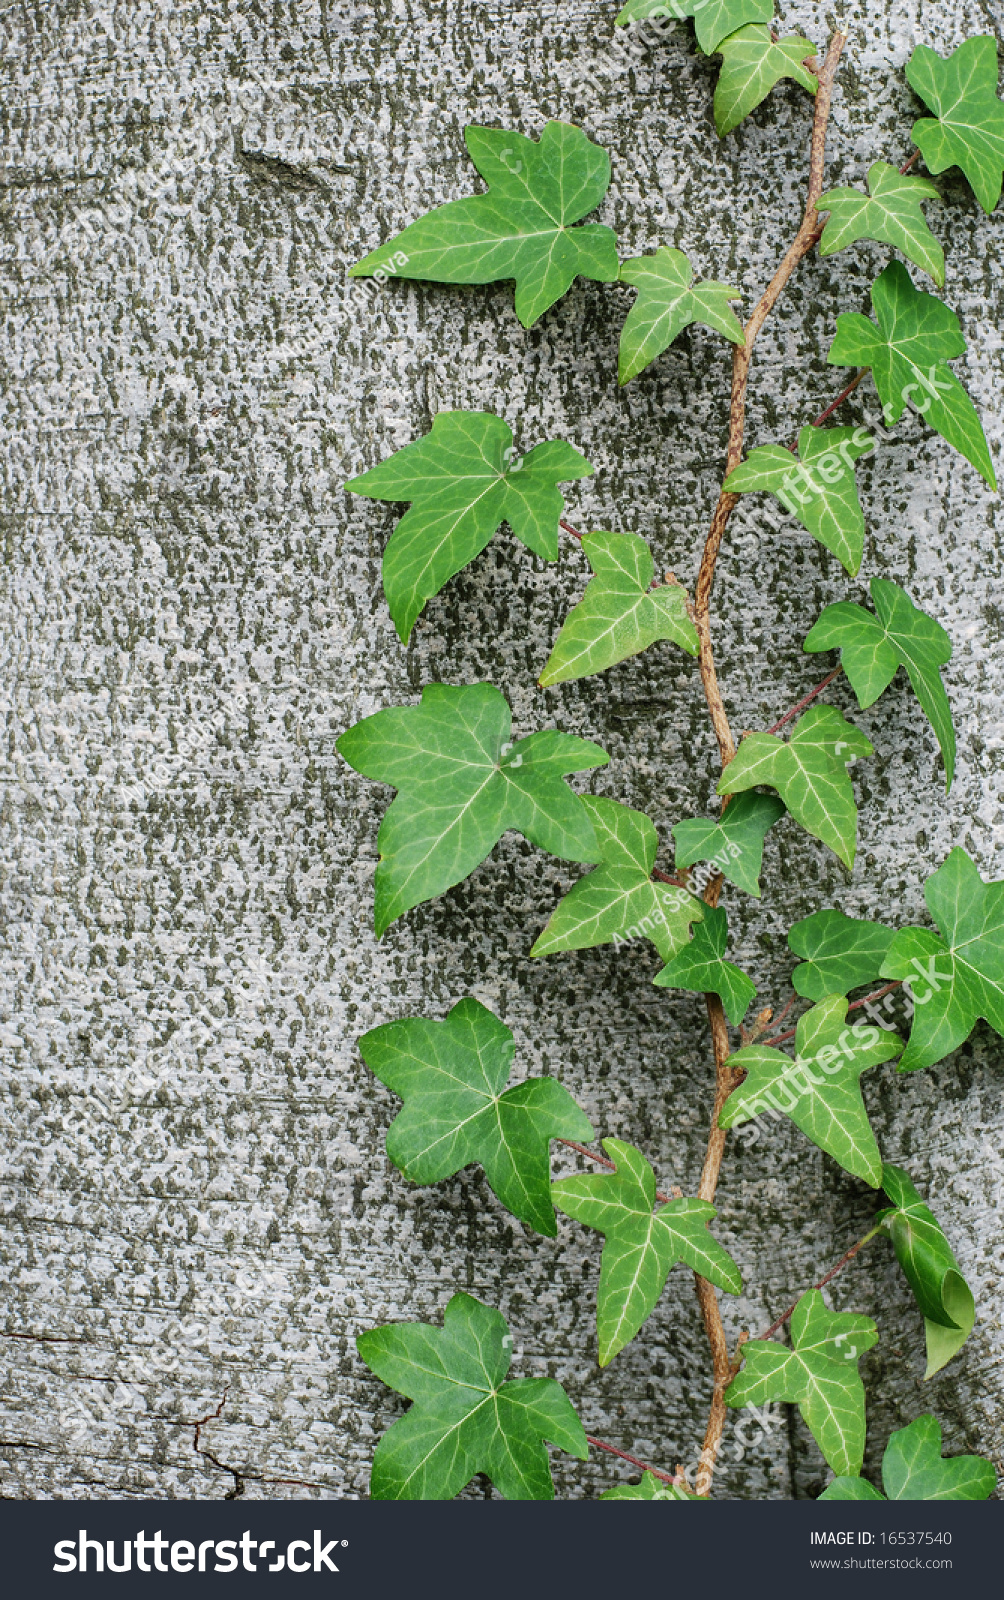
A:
x: 462, y: 781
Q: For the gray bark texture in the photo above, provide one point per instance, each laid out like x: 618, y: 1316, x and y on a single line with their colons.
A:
x: 197, y: 1201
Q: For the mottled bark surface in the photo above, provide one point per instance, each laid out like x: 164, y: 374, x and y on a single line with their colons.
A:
x: 196, y: 1197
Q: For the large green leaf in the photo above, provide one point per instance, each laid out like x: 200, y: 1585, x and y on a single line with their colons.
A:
x: 809, y: 772
x: 619, y: 901
x: 522, y: 228
x: 452, y: 1077
x: 839, y: 953
x: 957, y: 978
x: 907, y: 352
x: 818, y: 488
x: 619, y: 614
x: 874, y: 647
x: 461, y: 784
x: 465, y: 1418
x: 641, y: 1244
x: 463, y: 481
x: 931, y: 1269
x: 819, y: 1374
x: 667, y: 304
x: 913, y: 1469
x: 821, y: 1089
x: 752, y: 63
x: 967, y: 129
x: 714, y: 20
x: 650, y: 1488
x: 702, y: 968
x: 734, y: 844
x: 889, y: 213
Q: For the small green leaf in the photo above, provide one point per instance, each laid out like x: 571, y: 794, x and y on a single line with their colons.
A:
x: 930, y: 1267
x: 619, y: 901
x: 839, y: 953
x: 890, y: 213
x: 650, y: 1488
x: 851, y: 1489
x: 714, y: 20
x: 821, y: 1089
x: 967, y: 129
x: 907, y: 353
x: 874, y: 647
x: 451, y: 1076
x: 522, y: 228
x: 466, y: 1418
x: 958, y: 978
x: 701, y: 967
x: 809, y: 772
x: 619, y: 615
x: 734, y: 844
x: 913, y: 1469
x: 642, y: 1245
x: 944, y: 1343
x: 819, y: 1374
x: 667, y: 304
x: 819, y: 488
x: 461, y: 785
x: 752, y: 63
x: 463, y: 481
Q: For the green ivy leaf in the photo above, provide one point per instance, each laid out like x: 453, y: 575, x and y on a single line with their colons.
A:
x: 522, y: 228
x: 839, y: 953
x: 701, y: 967
x: 650, y: 1488
x: 907, y: 353
x: 818, y: 488
x: 619, y: 901
x: 642, y: 1245
x: 451, y: 1076
x: 809, y: 772
x: 819, y: 1374
x: 752, y: 63
x: 874, y: 647
x: 667, y: 304
x: 913, y: 1469
x: 463, y: 481
x: 618, y: 616
x: 821, y: 1089
x: 967, y: 129
x: 930, y: 1267
x: 734, y: 844
x: 465, y: 1418
x: 958, y: 978
x: 714, y: 20
x: 889, y: 213
x: 461, y: 784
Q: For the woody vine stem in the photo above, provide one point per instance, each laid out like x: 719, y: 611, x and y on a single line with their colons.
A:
x: 726, y: 1078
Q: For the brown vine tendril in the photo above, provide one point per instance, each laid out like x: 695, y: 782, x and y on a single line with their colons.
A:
x: 725, y: 1076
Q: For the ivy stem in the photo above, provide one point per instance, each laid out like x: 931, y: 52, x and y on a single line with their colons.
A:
x: 908, y: 163
x: 600, y: 1444
x: 867, y: 1000
x: 725, y: 1077
x: 845, y: 393
x: 805, y: 700
x: 848, y: 1255
x: 569, y: 529
x: 664, y: 877
x: 602, y: 1161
